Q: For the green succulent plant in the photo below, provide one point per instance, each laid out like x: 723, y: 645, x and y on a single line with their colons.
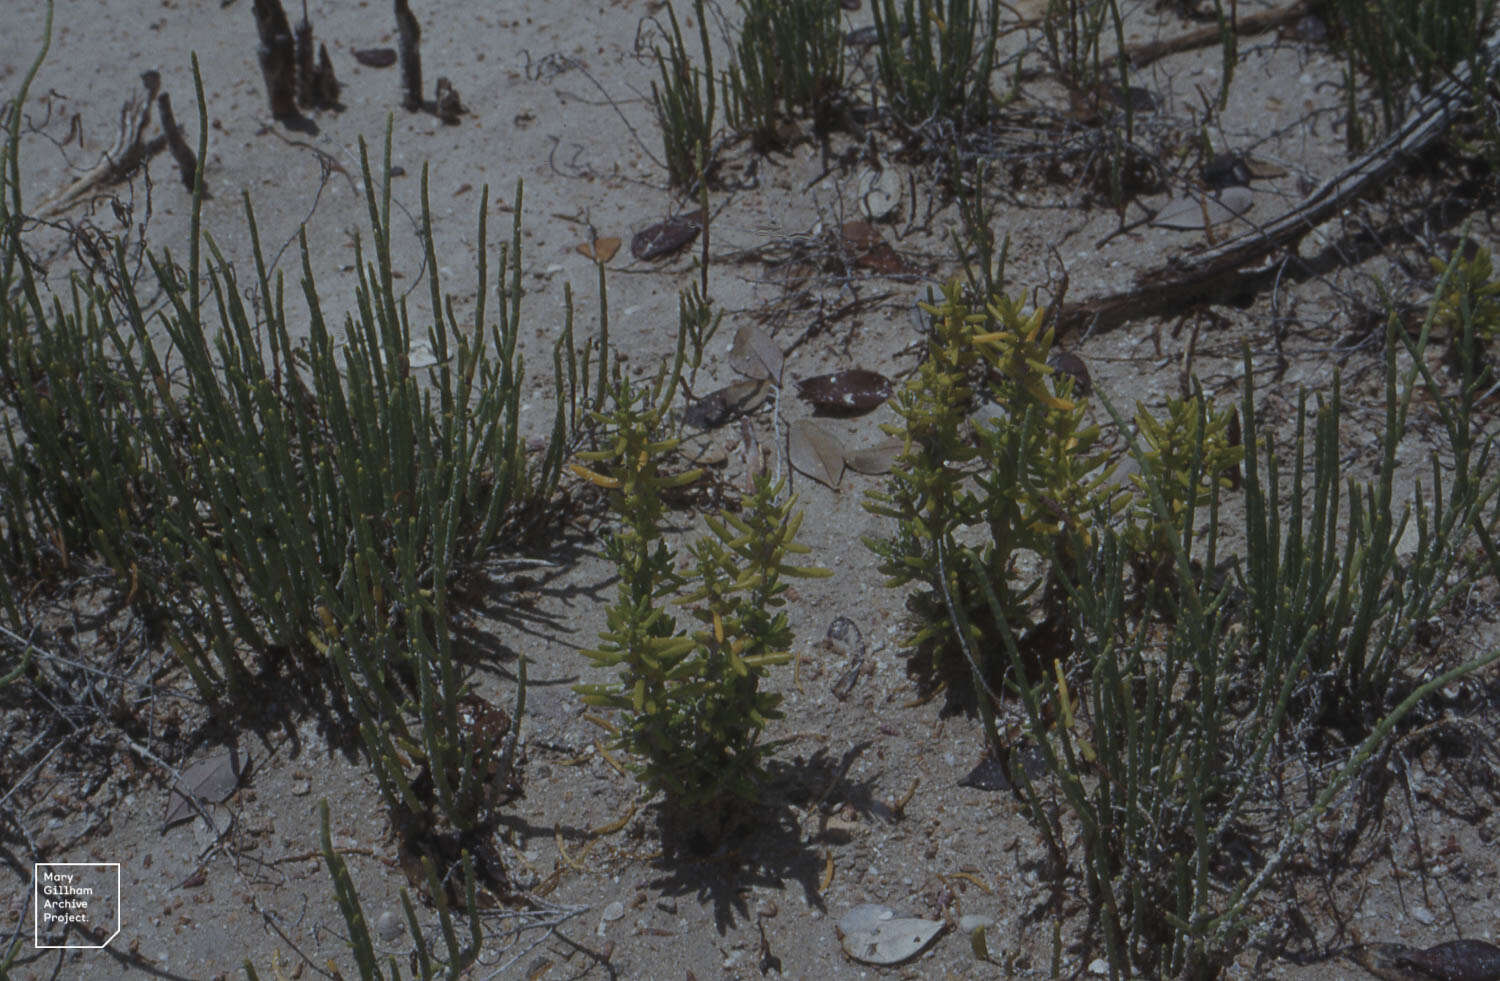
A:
x: 692, y: 702
x: 998, y: 460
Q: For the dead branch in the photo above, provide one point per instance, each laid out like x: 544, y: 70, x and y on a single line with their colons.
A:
x: 278, y: 57
x: 131, y: 149
x: 1187, y: 279
x: 317, y: 88
x: 1141, y: 55
x: 408, y: 47
x: 187, y: 160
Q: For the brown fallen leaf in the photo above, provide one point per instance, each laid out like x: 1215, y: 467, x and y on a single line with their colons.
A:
x: 845, y: 393
x: 815, y: 452
x: 861, y: 236
x: 755, y: 354
x: 212, y: 780
x: 666, y: 237
x: 600, y: 249
x: 886, y: 261
x: 1264, y: 169
x: 877, y: 459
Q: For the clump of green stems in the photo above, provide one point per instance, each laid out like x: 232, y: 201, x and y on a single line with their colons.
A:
x: 1394, y: 46
x: 73, y: 479
x: 789, y: 63
x: 1074, y: 32
x: 267, y: 499
x: 685, y: 103
x: 935, y: 61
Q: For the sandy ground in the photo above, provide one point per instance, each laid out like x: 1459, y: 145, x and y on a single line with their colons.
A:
x: 558, y: 98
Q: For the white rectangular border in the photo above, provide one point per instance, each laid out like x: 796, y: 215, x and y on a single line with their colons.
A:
x: 36, y: 904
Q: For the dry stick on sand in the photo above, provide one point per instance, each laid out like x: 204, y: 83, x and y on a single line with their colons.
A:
x: 307, y: 96
x: 187, y: 160
x: 409, y: 35
x: 278, y: 57
x: 325, y: 84
x: 1194, y: 278
x: 317, y: 88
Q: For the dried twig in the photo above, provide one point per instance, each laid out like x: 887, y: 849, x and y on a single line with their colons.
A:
x: 409, y: 36
x: 306, y: 89
x: 187, y: 160
x: 278, y: 57
x: 1141, y: 55
x: 317, y: 88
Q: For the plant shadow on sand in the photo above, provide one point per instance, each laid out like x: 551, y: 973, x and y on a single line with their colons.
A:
x: 765, y: 845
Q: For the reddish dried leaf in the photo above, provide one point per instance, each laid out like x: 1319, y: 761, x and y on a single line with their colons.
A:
x: 815, y: 451
x: 486, y: 729
x: 755, y: 354
x: 375, y: 57
x: 666, y: 237
x: 885, y: 260
x: 861, y: 236
x: 845, y: 393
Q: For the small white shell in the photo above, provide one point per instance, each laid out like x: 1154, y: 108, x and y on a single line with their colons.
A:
x: 876, y: 935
